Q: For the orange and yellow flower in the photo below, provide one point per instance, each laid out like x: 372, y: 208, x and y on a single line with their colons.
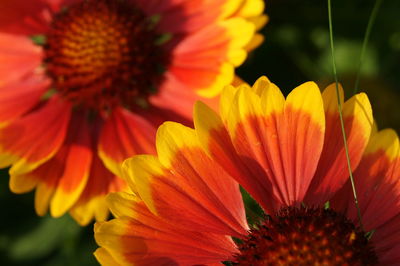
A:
x: 186, y: 208
x: 85, y: 83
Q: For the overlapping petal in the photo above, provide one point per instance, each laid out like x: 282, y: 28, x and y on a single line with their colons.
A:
x: 124, y: 134
x: 15, y: 102
x: 277, y: 142
x: 178, y: 172
x: 377, y: 186
x: 64, y: 176
x: 25, y: 18
x: 138, y: 237
x: 92, y: 202
x: 332, y: 170
x: 34, y: 138
x: 183, y: 17
x: 221, y: 44
x: 204, y: 62
x: 19, y: 54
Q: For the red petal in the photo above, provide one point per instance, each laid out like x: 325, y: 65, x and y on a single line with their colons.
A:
x: 386, y: 241
x: 20, y: 97
x: 181, y: 16
x: 32, y: 139
x: 332, y: 172
x: 377, y: 184
x: 24, y: 17
x: 76, y: 165
x: 91, y: 203
x: 148, y: 238
x: 19, y: 58
x: 175, y: 96
x: 280, y: 146
x: 61, y: 179
x: 125, y: 134
x: 205, y: 197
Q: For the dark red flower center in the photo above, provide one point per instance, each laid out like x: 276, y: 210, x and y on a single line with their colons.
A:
x: 102, y: 53
x: 306, y: 236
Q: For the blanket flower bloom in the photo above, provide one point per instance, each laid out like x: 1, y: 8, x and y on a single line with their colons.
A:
x: 186, y: 207
x: 84, y: 84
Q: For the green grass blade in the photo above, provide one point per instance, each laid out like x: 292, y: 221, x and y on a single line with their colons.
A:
x: 371, y: 22
x: 341, y: 115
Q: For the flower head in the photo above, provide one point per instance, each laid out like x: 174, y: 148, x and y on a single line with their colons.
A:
x: 85, y: 83
x: 186, y: 207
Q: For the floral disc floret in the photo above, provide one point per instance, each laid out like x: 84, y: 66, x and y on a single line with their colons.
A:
x: 306, y: 236
x: 103, y: 54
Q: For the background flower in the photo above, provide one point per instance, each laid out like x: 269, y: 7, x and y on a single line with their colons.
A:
x: 84, y: 84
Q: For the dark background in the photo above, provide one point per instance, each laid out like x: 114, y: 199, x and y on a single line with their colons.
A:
x: 296, y: 49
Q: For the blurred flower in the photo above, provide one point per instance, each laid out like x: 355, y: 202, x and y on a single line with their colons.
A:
x: 288, y: 154
x: 84, y: 85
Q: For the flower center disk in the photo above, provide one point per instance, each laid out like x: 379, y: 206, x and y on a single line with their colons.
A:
x: 102, y: 53
x: 306, y: 236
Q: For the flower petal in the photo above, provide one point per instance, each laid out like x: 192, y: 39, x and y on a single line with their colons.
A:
x: 205, y: 60
x: 23, y: 183
x: 216, y: 142
x: 181, y: 16
x: 46, y: 176
x: 24, y: 17
x: 275, y: 145
x: 386, y: 242
x: 123, y: 204
x: 104, y: 257
x: 125, y: 134
x: 391, y: 258
x: 76, y: 165
x: 147, y: 239
x: 202, y: 191
x: 61, y: 179
x: 300, y: 139
x: 45, y: 191
x: 378, y: 193
x: 188, y: 16
x: 250, y: 8
x: 20, y: 97
x: 332, y: 172
x: 175, y: 101
x: 282, y: 140
x: 92, y: 203
x: 19, y: 57
x: 377, y: 182
x: 34, y: 138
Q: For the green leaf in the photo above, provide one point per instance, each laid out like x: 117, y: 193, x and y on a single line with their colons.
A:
x: 45, y: 238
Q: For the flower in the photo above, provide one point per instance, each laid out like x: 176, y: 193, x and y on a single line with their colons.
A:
x: 84, y: 84
x: 186, y: 208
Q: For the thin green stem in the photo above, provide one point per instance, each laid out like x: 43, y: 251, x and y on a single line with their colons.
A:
x: 371, y: 22
x: 341, y: 115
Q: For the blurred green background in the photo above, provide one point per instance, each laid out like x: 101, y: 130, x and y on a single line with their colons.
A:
x: 296, y: 49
